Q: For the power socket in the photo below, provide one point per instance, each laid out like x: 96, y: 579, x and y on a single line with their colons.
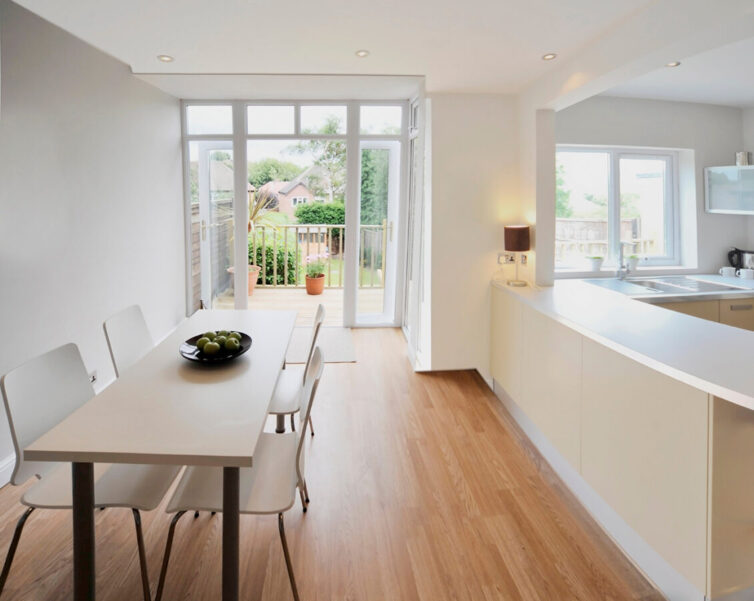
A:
x: 506, y: 258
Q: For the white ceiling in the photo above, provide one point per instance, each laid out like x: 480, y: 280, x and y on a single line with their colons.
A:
x: 470, y: 46
x: 722, y: 76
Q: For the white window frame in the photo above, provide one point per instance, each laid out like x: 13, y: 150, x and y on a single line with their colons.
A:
x: 672, y: 218
x: 353, y: 139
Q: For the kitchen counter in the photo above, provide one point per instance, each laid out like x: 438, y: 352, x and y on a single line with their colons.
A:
x: 646, y: 414
x: 712, y: 357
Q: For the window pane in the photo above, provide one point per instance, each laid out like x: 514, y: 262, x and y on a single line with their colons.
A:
x: 581, y: 227
x: 381, y: 119
x: 274, y: 119
x: 642, y: 206
x: 209, y: 119
x: 323, y: 119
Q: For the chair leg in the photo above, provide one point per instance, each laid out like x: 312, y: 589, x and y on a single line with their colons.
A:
x: 306, y: 492
x: 311, y: 425
x: 280, y: 424
x: 288, y: 564
x: 293, y: 423
x: 303, y: 501
x: 166, y: 558
x: 13, y: 546
x: 142, y: 556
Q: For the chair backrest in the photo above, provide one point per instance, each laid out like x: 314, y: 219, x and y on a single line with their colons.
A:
x: 38, y: 395
x: 128, y: 338
x: 319, y: 318
x: 312, y: 376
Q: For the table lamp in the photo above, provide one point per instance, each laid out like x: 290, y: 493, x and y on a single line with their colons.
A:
x: 517, y: 241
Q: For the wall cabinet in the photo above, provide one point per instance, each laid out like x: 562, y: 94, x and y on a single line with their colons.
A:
x: 729, y: 190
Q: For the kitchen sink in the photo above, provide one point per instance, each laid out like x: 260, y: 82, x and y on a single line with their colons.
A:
x: 665, y: 285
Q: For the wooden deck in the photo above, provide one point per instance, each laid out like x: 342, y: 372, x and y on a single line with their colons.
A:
x: 296, y: 299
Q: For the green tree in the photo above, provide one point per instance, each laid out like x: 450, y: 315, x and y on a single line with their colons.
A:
x: 374, y: 182
x: 330, y: 157
x: 272, y: 169
x: 562, y: 195
x: 324, y: 213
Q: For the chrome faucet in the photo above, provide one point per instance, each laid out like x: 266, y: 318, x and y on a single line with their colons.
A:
x: 623, y: 268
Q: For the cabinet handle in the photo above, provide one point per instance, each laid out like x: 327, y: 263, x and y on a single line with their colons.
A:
x: 741, y: 307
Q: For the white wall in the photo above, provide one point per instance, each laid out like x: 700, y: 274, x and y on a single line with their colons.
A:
x: 748, y: 144
x: 474, y: 192
x: 90, y: 197
x: 714, y: 133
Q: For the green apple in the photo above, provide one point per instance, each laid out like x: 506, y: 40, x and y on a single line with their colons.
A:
x: 211, y: 348
x: 232, y: 345
x: 201, y: 342
x: 235, y: 335
x: 223, y: 333
x: 221, y: 340
x: 210, y: 335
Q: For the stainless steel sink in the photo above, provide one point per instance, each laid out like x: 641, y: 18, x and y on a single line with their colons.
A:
x: 675, y: 285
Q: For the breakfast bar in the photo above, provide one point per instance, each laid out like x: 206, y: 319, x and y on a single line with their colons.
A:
x: 646, y: 415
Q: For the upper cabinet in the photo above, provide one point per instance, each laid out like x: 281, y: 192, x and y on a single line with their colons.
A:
x: 729, y: 190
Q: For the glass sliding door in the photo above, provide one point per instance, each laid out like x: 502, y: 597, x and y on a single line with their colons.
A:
x: 377, y: 235
x: 212, y: 223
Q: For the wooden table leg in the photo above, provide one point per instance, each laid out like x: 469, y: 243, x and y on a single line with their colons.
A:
x: 231, y: 481
x: 83, y: 532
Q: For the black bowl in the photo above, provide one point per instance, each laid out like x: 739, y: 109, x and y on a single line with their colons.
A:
x: 190, y: 351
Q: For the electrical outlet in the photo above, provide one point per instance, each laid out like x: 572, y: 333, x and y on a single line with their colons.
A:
x: 93, y: 376
x: 506, y: 258
x: 524, y: 260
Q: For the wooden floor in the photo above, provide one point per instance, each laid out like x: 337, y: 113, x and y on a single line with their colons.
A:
x: 422, y: 488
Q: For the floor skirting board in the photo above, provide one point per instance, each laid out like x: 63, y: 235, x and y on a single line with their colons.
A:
x: 6, y: 469
x: 671, y: 583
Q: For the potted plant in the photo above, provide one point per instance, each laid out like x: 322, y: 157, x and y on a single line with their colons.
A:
x: 315, y: 273
x: 632, y: 262
x: 253, y: 276
x: 595, y: 262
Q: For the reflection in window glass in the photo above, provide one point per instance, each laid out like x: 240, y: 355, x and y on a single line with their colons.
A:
x: 381, y: 120
x: 581, y: 208
x: 271, y: 119
x: 209, y: 119
x: 323, y: 119
x: 642, y: 205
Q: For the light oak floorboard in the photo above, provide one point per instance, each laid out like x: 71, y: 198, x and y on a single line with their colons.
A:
x: 422, y: 488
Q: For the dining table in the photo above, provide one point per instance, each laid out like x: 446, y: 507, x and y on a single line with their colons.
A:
x: 171, y: 411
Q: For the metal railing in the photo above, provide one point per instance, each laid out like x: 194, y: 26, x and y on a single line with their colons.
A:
x: 281, y: 251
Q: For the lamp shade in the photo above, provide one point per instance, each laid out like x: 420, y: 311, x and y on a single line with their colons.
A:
x: 517, y: 238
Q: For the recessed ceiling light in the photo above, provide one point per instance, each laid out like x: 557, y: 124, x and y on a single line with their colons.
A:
x: 362, y: 53
x: 165, y: 58
x: 549, y: 56
x: 674, y: 64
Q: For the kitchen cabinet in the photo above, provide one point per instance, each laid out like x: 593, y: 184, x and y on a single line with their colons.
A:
x: 729, y: 190
x: 709, y: 310
x: 507, y: 334
x: 738, y: 313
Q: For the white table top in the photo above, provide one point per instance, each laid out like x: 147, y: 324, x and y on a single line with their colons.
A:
x: 167, y: 410
x: 710, y: 356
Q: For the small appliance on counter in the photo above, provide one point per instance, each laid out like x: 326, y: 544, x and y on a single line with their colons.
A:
x: 741, y: 259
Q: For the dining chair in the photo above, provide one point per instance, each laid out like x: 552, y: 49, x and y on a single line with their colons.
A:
x: 38, y: 395
x: 288, y: 388
x: 128, y: 338
x: 268, y: 487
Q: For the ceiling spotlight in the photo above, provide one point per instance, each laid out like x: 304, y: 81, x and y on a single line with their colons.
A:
x: 674, y: 64
x: 362, y: 53
x: 549, y: 56
x: 165, y: 58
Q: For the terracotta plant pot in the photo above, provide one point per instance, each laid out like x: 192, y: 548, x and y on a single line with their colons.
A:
x: 315, y: 285
x: 253, y: 276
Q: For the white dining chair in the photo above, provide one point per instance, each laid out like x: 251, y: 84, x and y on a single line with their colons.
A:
x: 288, y: 388
x: 127, y: 337
x: 268, y: 487
x: 38, y: 395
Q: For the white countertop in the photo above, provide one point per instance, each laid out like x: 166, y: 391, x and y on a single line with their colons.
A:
x: 709, y: 356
